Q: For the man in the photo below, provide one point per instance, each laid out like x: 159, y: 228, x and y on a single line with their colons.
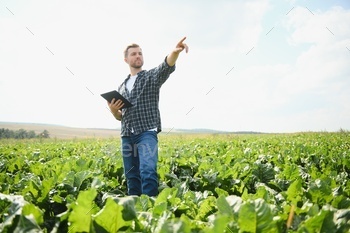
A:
x: 141, y: 122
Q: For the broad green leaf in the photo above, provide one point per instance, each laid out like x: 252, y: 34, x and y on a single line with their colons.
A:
x: 320, y: 192
x: 323, y: 222
x: 80, y: 217
x: 110, y: 217
x: 144, y: 203
x: 167, y: 195
x: 35, y: 212
x: 265, y: 216
x: 176, y: 226
x: 295, y: 192
x: 247, y: 218
x: 81, y: 164
x: 33, y: 187
x: 13, y: 208
x: 234, y: 202
x: 22, y: 216
x: 128, y: 204
x: 223, y: 206
x: 24, y: 224
x: 206, y: 208
x: 160, y: 208
x: 195, y: 225
x: 221, y: 192
x: 97, y: 183
x: 69, y: 179
x: 256, y: 216
x: 80, y: 177
x: 160, y: 221
x: 342, y: 220
x: 264, y: 172
x: 167, y: 199
x: 220, y: 224
x: 47, y: 185
x: 291, y: 171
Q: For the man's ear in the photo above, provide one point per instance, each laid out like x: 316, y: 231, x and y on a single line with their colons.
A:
x: 126, y: 60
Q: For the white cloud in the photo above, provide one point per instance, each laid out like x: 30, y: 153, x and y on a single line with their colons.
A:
x: 320, y: 75
x: 326, y: 60
x: 318, y: 27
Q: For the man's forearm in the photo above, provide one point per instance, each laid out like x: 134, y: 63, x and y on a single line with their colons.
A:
x: 171, y: 58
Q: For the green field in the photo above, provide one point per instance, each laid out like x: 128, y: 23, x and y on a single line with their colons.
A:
x: 208, y: 183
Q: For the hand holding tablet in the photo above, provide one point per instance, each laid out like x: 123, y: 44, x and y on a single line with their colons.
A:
x: 117, y: 96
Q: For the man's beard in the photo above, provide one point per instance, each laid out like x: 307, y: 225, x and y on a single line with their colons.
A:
x: 137, y: 66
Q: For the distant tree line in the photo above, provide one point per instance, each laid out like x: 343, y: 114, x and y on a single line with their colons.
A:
x: 22, y: 134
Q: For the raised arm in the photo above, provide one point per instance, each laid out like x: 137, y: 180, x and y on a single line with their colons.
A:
x: 172, y: 57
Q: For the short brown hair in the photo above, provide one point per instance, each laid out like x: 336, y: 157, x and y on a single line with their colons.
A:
x: 133, y: 45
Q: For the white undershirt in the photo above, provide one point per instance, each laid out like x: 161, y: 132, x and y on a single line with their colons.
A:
x: 130, y: 82
x: 129, y: 86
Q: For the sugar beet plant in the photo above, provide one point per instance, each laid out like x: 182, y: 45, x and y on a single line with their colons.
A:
x: 213, y: 183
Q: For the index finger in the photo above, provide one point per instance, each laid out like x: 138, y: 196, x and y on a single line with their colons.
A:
x: 182, y: 40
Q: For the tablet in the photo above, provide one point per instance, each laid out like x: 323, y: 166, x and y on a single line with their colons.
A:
x: 116, y: 95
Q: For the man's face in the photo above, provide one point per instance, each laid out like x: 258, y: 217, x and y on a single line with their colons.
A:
x: 134, y: 57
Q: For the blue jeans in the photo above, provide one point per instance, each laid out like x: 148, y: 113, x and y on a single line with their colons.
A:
x: 140, y: 157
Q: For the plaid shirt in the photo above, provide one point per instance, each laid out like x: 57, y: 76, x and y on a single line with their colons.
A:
x: 144, y: 114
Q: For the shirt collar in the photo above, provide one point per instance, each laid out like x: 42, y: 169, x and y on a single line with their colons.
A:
x: 138, y: 75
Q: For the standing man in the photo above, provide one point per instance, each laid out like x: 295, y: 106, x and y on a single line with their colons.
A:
x: 141, y: 123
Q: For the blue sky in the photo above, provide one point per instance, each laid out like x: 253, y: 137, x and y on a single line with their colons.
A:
x: 271, y: 66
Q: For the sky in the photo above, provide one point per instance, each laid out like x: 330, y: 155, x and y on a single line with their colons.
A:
x: 272, y: 66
